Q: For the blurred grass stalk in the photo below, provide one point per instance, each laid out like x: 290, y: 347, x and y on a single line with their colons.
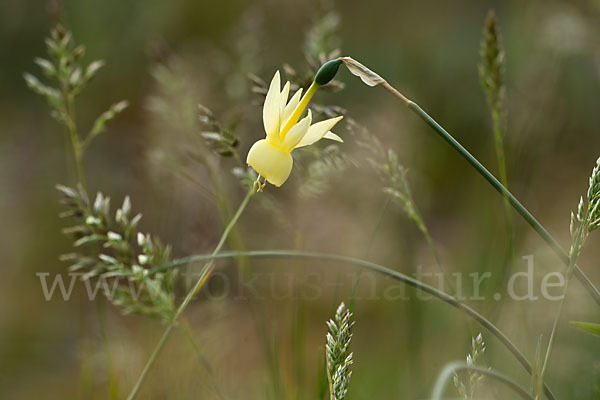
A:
x: 491, y: 76
x: 370, y: 78
x: 492, y: 79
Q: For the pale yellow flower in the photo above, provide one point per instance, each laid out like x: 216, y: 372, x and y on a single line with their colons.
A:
x: 271, y: 157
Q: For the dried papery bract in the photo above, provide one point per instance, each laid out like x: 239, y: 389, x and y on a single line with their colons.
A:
x: 371, y: 78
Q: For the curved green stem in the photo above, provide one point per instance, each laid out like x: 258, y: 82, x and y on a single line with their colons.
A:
x: 553, y: 331
x: 204, y: 275
x: 372, y: 79
x: 376, y: 268
x: 541, y: 231
x: 451, y: 368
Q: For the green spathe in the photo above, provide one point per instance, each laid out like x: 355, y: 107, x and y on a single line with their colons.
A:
x: 327, y: 72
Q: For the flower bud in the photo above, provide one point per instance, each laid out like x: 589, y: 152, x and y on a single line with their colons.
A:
x: 327, y: 72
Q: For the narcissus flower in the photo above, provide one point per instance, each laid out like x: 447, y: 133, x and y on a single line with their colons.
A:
x: 271, y: 157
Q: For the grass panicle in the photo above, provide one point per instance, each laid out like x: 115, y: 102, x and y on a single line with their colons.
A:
x: 119, y: 258
x: 322, y: 40
x: 491, y: 66
x: 174, y: 106
x: 451, y: 369
x: 392, y: 174
x: 337, y: 352
x: 219, y: 138
x: 321, y: 165
x: 394, y: 178
x: 68, y: 76
x: 584, y: 221
x: 467, y: 391
x: 491, y: 76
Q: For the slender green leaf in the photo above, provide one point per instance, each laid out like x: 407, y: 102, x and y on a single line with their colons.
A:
x: 588, y: 327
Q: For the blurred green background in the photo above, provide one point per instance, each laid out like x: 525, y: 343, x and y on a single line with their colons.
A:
x: 273, y: 347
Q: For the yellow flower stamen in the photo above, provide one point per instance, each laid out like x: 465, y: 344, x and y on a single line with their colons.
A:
x: 258, y: 186
x: 298, y: 110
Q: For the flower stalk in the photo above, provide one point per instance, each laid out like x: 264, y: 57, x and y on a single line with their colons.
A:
x: 372, y: 79
x: 204, y: 275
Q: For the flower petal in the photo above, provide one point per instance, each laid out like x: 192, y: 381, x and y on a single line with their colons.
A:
x: 271, y: 109
x: 282, y: 100
x: 319, y: 130
x: 296, y: 133
x: 270, y: 161
x: 332, y: 136
x: 291, y: 105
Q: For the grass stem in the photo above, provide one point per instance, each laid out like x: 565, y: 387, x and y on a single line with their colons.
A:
x: 370, y: 78
x: 499, y: 145
x: 204, y: 275
x: 575, y: 249
x: 514, y: 202
x: 71, y: 124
